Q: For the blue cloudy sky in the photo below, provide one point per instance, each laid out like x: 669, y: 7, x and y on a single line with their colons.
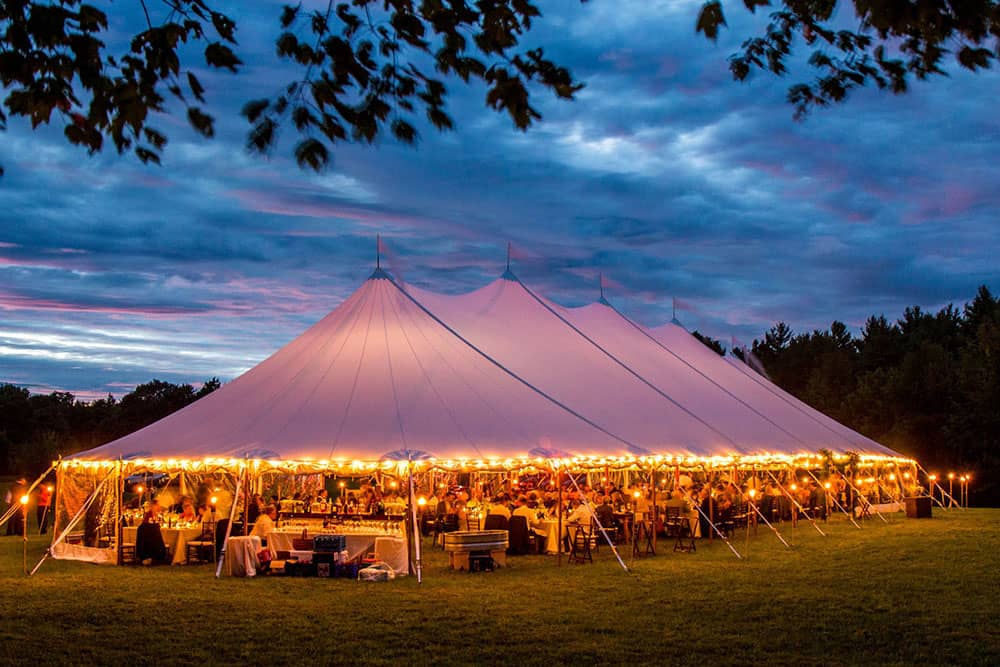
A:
x: 664, y: 174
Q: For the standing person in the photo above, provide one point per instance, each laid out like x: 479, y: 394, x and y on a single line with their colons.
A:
x: 264, y: 525
x: 42, y: 509
x: 15, y: 525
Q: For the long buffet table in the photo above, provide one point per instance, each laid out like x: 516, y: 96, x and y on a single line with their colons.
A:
x: 389, y: 545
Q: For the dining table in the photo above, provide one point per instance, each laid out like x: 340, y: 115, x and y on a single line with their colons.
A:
x: 175, y: 538
x: 357, y: 543
x: 240, y: 558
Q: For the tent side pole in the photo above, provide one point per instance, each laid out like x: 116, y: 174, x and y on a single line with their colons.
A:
x: 229, y: 526
x: 559, y: 516
x: 796, y: 504
x: 652, y: 500
x: 72, y: 522
x: 119, y: 513
x: 15, y: 505
x: 414, y: 527
x: 836, y: 502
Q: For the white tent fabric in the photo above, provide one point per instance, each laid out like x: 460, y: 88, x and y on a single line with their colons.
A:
x: 378, y: 377
x: 664, y: 406
x: 401, y: 373
x: 813, y: 429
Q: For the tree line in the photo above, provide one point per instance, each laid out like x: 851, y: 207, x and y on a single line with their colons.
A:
x: 926, y: 385
x: 36, y: 428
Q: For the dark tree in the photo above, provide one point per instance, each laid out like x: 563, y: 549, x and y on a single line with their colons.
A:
x: 711, y: 343
x: 367, y: 67
x: 890, y: 43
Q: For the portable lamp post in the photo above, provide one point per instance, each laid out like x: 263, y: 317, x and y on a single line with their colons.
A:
x: 24, y: 532
x: 951, y: 489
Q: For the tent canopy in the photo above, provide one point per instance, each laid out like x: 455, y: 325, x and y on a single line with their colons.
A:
x: 495, y: 378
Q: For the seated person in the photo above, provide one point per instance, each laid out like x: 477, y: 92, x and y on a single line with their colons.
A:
x: 606, y: 514
x: 499, y: 506
x: 149, y: 546
x: 534, y: 523
x: 677, y: 500
x: 187, y: 512
x: 581, y: 513
x: 264, y: 525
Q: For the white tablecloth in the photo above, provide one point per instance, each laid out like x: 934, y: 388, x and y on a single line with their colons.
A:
x: 884, y: 508
x: 175, y: 539
x: 356, y: 543
x: 551, y: 527
x: 240, y: 559
x: 392, y: 550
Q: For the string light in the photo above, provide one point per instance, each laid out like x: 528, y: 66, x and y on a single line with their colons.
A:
x: 25, y: 499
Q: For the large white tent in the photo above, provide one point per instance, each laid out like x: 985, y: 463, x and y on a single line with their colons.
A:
x: 400, y: 374
x: 398, y: 380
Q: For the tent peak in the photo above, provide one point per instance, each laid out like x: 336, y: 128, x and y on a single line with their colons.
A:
x: 379, y: 274
x: 509, y: 275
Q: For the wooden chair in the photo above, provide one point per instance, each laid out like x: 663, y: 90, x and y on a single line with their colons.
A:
x: 446, y: 523
x: 128, y: 553
x: 202, y: 548
x: 473, y: 521
x: 580, y: 545
x: 642, y: 539
x: 517, y: 536
x: 678, y: 526
x: 598, y: 537
x: 496, y: 522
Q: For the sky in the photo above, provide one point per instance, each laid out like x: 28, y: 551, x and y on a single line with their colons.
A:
x: 664, y: 175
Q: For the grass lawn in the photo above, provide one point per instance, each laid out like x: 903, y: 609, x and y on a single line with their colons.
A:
x: 911, y: 592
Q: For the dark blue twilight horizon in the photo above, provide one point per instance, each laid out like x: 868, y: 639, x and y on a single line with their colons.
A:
x: 664, y: 175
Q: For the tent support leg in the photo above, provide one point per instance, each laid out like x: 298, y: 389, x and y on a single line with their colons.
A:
x: 414, y: 527
x: 797, y: 504
x: 836, y: 502
x: 229, y: 526
x: 15, y: 505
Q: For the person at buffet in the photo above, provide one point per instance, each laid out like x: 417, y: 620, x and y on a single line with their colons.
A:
x: 149, y: 546
x: 264, y: 525
x: 253, y: 508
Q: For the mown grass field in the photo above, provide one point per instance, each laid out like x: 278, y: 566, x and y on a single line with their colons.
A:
x: 911, y: 592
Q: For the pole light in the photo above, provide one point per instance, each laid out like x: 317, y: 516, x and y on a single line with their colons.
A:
x: 24, y: 532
